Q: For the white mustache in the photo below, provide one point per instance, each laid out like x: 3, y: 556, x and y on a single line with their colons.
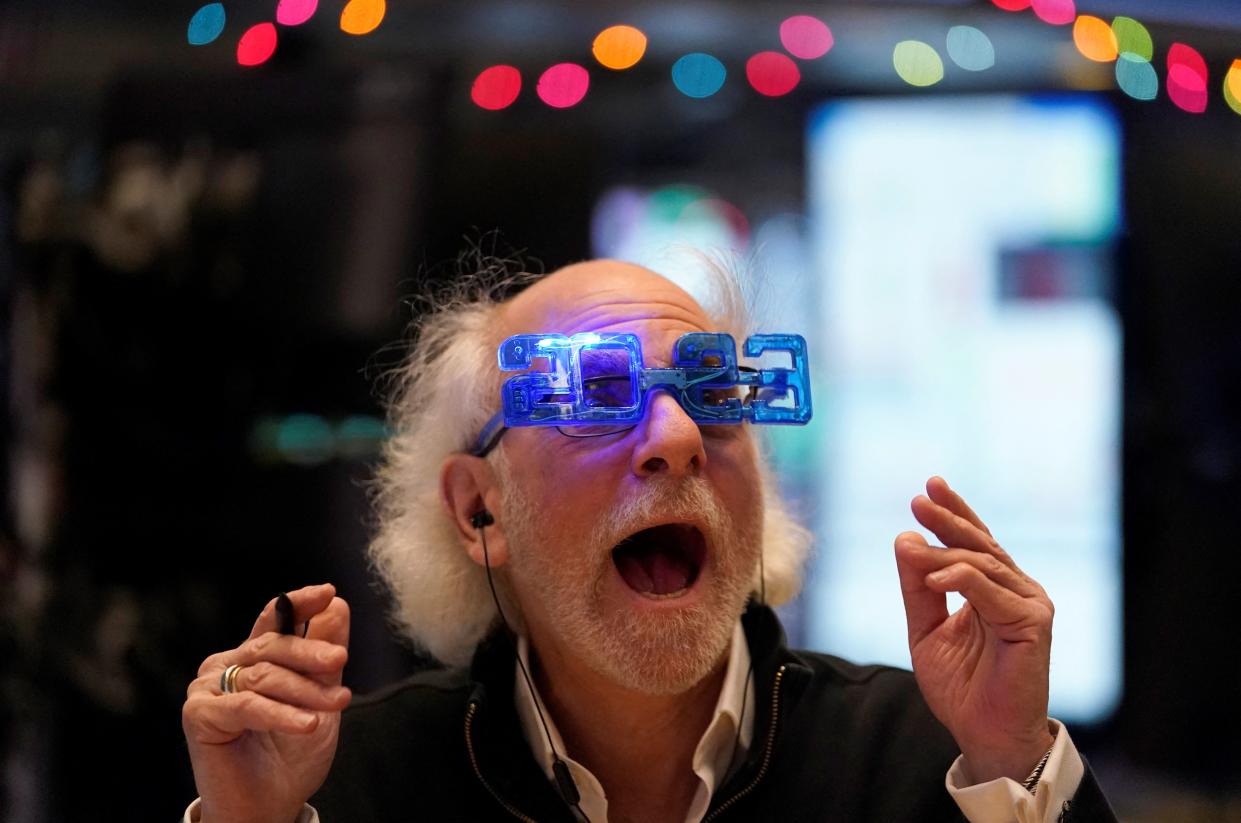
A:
x: 662, y: 501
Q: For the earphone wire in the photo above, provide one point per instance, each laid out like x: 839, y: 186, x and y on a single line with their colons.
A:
x: 749, y: 675
x: 575, y: 803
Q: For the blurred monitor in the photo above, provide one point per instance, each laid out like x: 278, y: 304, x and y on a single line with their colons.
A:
x: 962, y: 248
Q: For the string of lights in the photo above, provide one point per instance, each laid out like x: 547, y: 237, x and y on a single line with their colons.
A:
x: 1124, y: 42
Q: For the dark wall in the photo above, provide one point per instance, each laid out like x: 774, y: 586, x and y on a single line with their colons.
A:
x: 1182, y: 466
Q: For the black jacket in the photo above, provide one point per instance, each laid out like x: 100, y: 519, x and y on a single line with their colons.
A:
x: 832, y: 742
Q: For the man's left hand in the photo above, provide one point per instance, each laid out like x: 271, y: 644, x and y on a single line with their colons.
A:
x: 983, y: 670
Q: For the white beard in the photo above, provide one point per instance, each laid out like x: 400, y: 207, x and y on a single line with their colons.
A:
x: 656, y: 654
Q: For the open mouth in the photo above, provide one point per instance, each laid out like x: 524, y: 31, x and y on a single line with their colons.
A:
x: 662, y: 561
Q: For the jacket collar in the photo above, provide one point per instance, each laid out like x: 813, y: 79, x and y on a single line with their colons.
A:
x: 771, y: 658
x: 504, y: 758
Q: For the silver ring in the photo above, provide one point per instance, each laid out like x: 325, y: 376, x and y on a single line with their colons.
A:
x: 228, y: 679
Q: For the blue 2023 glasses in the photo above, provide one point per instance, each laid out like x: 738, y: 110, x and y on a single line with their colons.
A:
x: 594, y: 384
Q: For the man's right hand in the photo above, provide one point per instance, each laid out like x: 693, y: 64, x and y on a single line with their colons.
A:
x: 261, y: 752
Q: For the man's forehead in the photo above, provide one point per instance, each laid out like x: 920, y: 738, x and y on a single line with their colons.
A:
x: 606, y: 296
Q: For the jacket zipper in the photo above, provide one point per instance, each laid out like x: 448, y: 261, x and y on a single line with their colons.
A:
x: 469, y: 747
x: 771, y: 739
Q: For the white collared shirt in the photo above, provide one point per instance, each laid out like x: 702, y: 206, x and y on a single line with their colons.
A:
x: 712, y: 756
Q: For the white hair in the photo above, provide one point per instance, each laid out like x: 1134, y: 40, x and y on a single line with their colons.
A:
x: 442, y: 395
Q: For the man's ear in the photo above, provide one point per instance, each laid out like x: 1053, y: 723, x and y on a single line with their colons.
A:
x: 468, y: 486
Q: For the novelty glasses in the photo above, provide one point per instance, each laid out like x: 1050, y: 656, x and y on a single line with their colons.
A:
x: 590, y: 385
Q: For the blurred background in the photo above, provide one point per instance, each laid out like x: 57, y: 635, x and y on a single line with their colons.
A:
x: 1008, y: 230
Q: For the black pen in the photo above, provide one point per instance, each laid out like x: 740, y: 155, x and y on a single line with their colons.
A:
x: 284, y: 615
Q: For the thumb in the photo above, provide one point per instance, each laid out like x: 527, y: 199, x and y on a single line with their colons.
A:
x: 925, y: 609
x: 331, y: 624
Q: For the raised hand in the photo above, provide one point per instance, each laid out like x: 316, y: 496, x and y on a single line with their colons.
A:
x: 262, y: 751
x: 983, y: 670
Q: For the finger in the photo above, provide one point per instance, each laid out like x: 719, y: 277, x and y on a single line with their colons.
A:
x: 331, y: 625
x: 222, y: 718
x: 282, y: 685
x: 926, y: 559
x: 307, y: 602
x: 943, y: 494
x: 954, y: 530
x: 925, y: 608
x: 309, y: 656
x: 1015, y: 618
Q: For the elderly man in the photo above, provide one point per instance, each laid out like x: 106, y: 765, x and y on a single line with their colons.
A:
x: 646, y: 679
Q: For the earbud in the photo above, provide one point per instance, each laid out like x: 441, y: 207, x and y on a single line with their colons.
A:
x: 481, y: 518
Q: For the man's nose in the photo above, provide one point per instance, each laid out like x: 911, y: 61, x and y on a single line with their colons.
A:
x: 670, y: 441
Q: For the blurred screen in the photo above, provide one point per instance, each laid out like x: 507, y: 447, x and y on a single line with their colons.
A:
x: 963, y: 327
